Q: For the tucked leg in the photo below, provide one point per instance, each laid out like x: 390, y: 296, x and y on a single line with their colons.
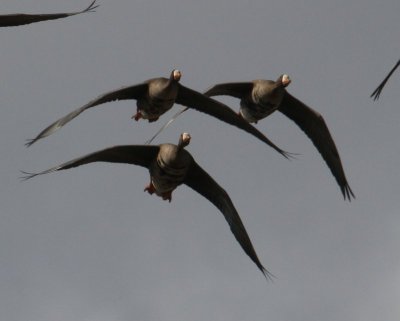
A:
x: 167, y: 196
x: 150, y: 188
x: 137, y: 116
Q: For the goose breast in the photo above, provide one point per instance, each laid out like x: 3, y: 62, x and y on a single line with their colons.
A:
x: 170, y: 168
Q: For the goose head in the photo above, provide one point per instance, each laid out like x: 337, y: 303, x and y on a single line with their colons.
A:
x: 284, y: 80
x: 175, y: 75
x: 184, y: 140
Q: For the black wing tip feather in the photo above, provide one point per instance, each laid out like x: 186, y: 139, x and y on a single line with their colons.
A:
x: 377, y: 92
x: 253, y: 256
x: 91, y: 7
x: 27, y: 175
x: 255, y: 132
x: 290, y: 156
x: 30, y: 142
x: 375, y: 95
x: 268, y: 275
x: 347, y: 193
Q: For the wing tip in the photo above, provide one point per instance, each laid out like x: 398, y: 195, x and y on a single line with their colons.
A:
x: 348, y: 193
x: 30, y: 142
x: 290, y: 156
x: 268, y: 275
x: 375, y: 95
x: 27, y: 175
x: 91, y: 7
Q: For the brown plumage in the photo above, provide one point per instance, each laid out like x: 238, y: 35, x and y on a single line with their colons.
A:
x: 155, y: 97
x: 18, y: 19
x: 260, y: 98
x: 170, y: 166
x: 378, y: 90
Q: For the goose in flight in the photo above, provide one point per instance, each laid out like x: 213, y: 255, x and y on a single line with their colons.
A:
x: 171, y: 165
x: 260, y: 98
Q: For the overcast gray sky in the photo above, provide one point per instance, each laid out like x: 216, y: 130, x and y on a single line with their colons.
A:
x: 89, y: 244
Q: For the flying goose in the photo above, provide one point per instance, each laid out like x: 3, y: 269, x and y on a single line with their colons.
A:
x: 378, y: 90
x: 155, y: 97
x: 260, y: 98
x: 17, y: 19
x: 170, y: 166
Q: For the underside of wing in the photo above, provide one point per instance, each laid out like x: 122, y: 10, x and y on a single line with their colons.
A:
x: 204, y: 184
x: 235, y: 89
x: 314, y: 126
x: 140, y: 155
x: 131, y: 92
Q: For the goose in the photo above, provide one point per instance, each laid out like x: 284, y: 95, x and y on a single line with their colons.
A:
x: 375, y: 95
x: 260, y: 98
x: 169, y: 166
x: 156, y: 96
x: 18, y: 19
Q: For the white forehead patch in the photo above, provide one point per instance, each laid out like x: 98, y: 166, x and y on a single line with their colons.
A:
x: 186, y: 137
x: 177, y: 74
x: 286, y: 80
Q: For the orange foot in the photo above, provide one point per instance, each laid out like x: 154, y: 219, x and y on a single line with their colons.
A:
x: 150, y: 189
x: 137, y: 116
x: 167, y: 196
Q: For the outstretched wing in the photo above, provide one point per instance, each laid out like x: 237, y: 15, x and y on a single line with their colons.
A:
x: 234, y: 89
x: 313, y: 124
x: 131, y: 92
x: 205, y: 185
x: 378, y: 90
x: 200, y: 102
x: 17, y: 19
x: 141, y: 155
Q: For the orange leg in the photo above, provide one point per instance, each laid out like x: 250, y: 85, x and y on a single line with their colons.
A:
x: 150, y: 188
x: 137, y: 116
x: 167, y: 196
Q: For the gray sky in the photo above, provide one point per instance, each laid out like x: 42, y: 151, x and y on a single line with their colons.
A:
x: 88, y: 244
